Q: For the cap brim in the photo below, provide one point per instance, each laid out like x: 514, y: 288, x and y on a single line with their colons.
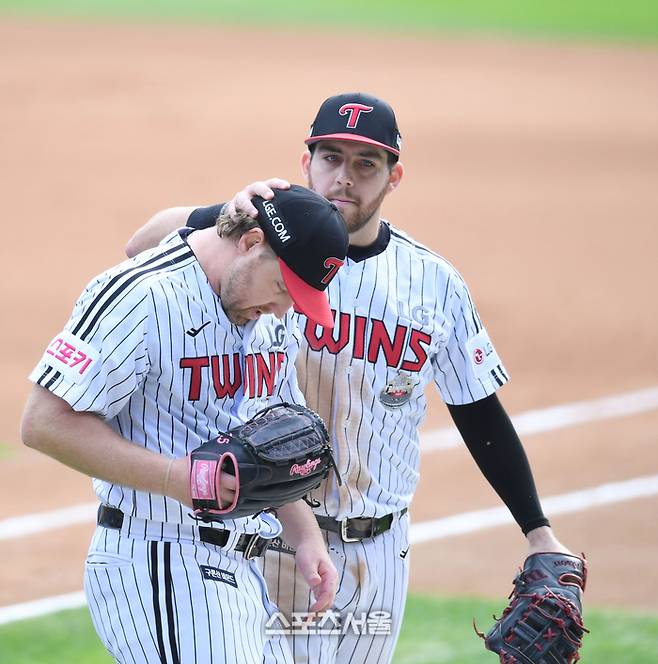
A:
x: 312, y: 302
x: 355, y: 138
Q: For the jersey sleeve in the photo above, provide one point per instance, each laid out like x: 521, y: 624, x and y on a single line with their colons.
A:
x: 100, y: 357
x: 204, y: 217
x: 466, y: 367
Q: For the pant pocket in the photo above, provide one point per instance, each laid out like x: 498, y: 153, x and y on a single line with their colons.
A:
x: 105, y: 559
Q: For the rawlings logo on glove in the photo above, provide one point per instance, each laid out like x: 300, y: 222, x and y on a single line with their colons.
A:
x: 543, y: 622
x: 278, y: 457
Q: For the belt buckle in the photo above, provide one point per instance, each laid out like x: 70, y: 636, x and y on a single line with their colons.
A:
x: 343, y: 532
x: 256, y: 547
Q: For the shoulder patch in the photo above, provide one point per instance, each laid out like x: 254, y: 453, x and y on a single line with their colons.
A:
x: 481, y: 354
x: 71, y: 356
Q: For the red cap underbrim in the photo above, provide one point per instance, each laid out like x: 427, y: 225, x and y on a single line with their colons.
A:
x: 312, y: 302
x: 355, y: 138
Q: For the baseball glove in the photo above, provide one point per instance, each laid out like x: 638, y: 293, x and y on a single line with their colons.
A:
x: 543, y: 623
x: 277, y: 457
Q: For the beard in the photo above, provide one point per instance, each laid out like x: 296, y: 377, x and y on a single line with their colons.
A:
x: 357, y: 215
x: 235, y: 283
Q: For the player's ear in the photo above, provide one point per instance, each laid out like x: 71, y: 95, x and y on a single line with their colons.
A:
x: 306, y: 162
x: 396, y: 175
x: 251, y: 239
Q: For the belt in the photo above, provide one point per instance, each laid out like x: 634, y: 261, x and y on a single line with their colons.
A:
x: 357, y: 529
x: 252, y: 545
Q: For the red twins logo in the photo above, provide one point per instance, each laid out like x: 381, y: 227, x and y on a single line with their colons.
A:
x: 332, y: 265
x: 478, y: 356
x: 354, y: 111
x: 305, y: 468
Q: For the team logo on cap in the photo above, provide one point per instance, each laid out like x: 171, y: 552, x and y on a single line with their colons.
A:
x: 332, y: 265
x: 354, y: 111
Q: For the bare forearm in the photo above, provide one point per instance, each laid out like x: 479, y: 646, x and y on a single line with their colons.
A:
x: 84, y: 442
x: 299, y: 525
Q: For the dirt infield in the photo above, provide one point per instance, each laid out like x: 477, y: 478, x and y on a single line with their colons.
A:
x: 531, y: 166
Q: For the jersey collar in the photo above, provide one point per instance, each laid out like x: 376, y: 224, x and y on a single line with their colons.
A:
x: 358, y: 254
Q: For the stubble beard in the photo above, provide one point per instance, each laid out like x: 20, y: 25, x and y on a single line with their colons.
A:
x: 235, y: 282
x: 357, y: 217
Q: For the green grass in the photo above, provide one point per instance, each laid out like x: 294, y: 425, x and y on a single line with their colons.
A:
x: 67, y: 637
x: 436, y: 630
x: 628, y: 19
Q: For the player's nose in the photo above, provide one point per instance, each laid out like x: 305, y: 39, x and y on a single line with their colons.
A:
x: 280, y: 308
x: 344, y: 176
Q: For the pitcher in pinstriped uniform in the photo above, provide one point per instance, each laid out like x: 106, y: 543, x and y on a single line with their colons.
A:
x: 162, y: 353
x: 404, y: 319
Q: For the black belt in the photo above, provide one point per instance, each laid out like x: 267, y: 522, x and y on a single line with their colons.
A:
x: 357, y: 529
x: 251, y: 545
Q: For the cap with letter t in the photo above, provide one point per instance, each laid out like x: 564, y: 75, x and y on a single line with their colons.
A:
x: 357, y: 116
x: 309, y: 236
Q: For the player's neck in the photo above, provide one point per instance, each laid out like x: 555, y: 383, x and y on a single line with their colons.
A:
x: 368, y: 234
x: 213, y: 254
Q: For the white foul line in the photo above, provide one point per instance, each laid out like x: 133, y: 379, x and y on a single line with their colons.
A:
x: 577, y: 501
x: 459, y: 524
x: 530, y: 422
x: 41, y: 607
x: 23, y: 526
x: 557, y: 417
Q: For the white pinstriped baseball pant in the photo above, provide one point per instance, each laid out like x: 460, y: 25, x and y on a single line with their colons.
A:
x: 178, y: 602
x: 373, y: 576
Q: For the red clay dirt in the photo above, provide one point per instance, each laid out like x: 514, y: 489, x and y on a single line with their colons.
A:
x: 531, y: 166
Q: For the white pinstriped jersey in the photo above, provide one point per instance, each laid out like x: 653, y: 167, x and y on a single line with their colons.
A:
x: 404, y: 319
x: 149, y: 348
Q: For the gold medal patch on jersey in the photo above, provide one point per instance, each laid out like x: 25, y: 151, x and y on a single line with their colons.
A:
x: 397, y: 391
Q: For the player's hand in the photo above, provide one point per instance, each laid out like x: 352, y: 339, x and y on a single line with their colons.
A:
x: 315, y: 566
x: 178, y: 484
x: 241, y: 202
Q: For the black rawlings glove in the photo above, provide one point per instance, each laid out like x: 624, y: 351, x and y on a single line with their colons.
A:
x: 543, y: 623
x: 277, y: 457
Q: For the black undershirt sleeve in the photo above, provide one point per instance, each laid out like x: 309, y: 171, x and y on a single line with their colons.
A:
x: 204, y: 217
x: 495, y: 446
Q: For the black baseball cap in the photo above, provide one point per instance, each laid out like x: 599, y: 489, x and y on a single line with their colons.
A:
x: 357, y: 116
x: 309, y: 236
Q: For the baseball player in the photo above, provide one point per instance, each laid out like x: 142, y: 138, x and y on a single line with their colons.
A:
x: 404, y: 318
x: 162, y: 353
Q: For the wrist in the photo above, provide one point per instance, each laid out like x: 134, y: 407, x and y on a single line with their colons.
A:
x: 175, y: 481
x: 542, y: 539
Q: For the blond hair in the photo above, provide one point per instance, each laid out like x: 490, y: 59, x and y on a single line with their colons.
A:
x: 234, y: 227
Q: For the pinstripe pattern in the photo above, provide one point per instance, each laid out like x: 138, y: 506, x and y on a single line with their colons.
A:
x: 148, y: 348
x: 403, y: 313
x: 135, y: 317
x: 149, y: 603
x: 409, y: 291
x: 373, y: 577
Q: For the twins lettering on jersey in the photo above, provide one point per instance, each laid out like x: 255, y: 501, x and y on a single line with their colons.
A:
x: 225, y: 373
x: 406, y: 347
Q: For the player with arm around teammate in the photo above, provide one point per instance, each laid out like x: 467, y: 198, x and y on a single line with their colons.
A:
x: 404, y: 318
x: 162, y: 353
